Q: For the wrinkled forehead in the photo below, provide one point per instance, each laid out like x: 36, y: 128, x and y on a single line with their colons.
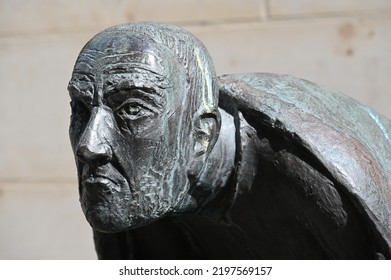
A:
x: 122, y: 53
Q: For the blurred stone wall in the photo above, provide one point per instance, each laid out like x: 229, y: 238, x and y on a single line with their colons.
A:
x: 344, y: 44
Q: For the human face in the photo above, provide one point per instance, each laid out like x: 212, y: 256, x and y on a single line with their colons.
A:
x: 127, y: 136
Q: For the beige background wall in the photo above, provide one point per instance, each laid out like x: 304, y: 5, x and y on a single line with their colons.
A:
x: 345, y: 44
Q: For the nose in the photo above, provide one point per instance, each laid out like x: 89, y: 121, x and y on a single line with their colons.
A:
x: 97, y: 155
x: 94, y: 145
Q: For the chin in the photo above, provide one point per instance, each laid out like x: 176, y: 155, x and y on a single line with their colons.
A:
x: 109, y: 221
x: 104, y: 220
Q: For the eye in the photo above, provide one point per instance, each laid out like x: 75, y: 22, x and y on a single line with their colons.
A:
x: 133, y: 111
x: 79, y: 118
x: 79, y: 109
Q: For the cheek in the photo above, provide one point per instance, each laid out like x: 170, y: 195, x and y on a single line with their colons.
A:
x: 148, y: 129
x: 158, y: 147
x: 75, y: 130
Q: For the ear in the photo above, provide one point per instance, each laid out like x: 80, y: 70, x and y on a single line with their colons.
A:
x: 206, y: 130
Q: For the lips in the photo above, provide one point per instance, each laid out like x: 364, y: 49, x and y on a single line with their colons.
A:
x: 101, y: 180
x: 101, y: 188
x: 103, y: 183
x: 98, y: 188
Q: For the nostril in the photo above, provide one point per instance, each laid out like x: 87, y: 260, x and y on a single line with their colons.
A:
x: 98, y: 155
x: 81, y: 153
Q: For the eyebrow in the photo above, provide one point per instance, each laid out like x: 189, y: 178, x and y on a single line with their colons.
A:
x: 126, y: 67
x: 76, y: 93
x: 145, y: 80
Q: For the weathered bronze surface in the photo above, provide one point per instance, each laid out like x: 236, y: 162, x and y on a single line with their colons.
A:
x: 175, y: 163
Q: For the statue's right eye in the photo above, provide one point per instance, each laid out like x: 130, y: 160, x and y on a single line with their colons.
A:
x: 79, y: 118
x: 79, y: 109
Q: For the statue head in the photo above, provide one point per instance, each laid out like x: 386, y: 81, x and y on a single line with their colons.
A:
x: 144, y: 120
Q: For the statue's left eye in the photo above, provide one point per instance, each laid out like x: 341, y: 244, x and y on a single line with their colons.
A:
x: 133, y: 111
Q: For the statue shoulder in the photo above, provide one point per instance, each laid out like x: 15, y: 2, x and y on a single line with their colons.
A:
x: 349, y: 140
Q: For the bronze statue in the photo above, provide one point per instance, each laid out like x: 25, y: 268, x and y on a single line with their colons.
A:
x: 175, y: 163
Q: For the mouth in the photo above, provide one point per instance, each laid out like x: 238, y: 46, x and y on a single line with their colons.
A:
x: 92, y: 179
x: 101, y: 188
